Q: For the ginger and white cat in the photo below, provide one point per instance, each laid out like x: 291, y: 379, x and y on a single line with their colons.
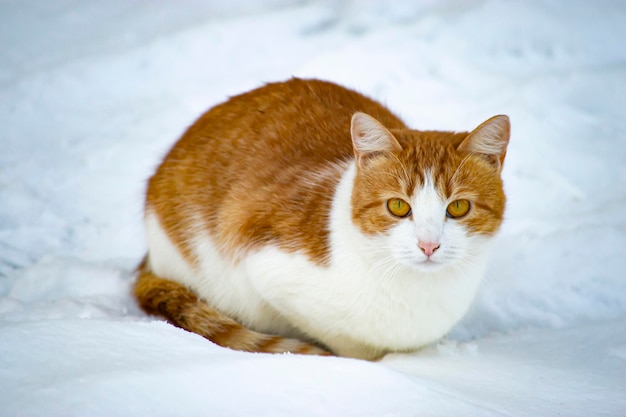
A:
x: 304, y: 217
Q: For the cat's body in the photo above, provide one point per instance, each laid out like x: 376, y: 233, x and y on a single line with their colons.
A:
x: 277, y: 208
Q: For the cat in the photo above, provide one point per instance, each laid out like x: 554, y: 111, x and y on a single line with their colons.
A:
x: 305, y: 217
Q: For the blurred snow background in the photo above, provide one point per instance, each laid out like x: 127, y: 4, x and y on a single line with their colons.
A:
x: 92, y: 94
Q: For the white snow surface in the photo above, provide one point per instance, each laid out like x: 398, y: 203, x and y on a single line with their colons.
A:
x: 93, y: 93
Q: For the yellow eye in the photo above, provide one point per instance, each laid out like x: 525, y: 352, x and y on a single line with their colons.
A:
x: 398, y: 207
x: 458, y: 208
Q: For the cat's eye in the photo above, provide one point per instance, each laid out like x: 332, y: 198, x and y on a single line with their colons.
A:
x: 398, y: 207
x: 458, y: 208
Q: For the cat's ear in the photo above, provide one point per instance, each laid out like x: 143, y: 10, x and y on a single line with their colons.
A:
x: 369, y: 137
x: 490, y: 140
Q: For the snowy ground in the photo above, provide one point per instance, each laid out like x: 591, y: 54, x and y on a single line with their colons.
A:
x: 93, y: 93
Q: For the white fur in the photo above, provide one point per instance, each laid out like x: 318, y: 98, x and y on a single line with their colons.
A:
x: 377, y: 295
x: 164, y: 258
x: 223, y: 284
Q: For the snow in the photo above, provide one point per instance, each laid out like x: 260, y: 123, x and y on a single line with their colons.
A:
x: 92, y: 94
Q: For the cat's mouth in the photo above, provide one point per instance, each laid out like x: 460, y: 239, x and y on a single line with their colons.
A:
x: 424, y: 265
x: 429, y: 265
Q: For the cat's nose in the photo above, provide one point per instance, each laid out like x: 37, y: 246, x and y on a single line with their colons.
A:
x: 428, y: 247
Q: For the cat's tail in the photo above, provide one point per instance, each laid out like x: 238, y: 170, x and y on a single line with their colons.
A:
x: 182, y: 308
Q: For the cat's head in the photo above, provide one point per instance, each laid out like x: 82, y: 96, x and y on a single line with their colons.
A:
x: 428, y: 199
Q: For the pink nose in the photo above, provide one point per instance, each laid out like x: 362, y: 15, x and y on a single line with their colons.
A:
x: 428, y: 247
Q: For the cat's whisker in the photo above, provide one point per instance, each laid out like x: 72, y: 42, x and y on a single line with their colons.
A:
x: 404, y: 170
x: 395, y: 273
x: 465, y: 159
x: 383, y: 262
x: 464, y: 266
x: 395, y: 270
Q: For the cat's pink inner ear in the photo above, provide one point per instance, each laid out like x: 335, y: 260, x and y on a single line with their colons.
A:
x: 490, y: 140
x: 369, y: 137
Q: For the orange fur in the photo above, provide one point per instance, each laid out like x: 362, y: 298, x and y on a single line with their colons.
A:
x: 271, y: 137
x: 456, y: 174
x: 261, y: 169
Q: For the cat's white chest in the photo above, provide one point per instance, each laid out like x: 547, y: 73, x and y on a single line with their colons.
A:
x: 359, y: 312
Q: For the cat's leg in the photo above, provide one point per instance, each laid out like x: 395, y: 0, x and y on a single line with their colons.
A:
x: 182, y: 308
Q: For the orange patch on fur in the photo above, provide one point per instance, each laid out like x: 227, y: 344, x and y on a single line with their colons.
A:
x: 456, y: 175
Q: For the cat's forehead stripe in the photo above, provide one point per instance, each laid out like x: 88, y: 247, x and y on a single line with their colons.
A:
x: 427, y: 188
x: 430, y: 181
x: 428, y: 159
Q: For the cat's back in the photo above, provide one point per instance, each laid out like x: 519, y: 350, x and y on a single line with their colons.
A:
x: 263, y: 134
x: 255, y: 160
x: 282, y: 122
